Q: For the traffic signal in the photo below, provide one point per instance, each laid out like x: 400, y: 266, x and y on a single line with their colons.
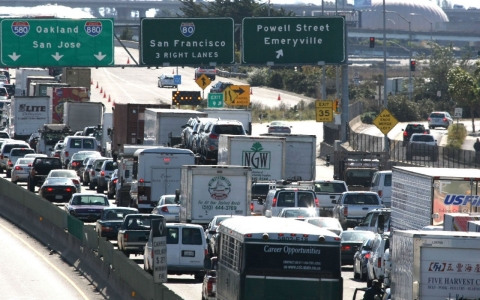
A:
x: 372, y: 42
x: 336, y: 109
x: 186, y: 98
x: 412, y: 65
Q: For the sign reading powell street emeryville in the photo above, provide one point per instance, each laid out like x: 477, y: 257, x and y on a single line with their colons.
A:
x: 295, y: 40
x: 187, y: 41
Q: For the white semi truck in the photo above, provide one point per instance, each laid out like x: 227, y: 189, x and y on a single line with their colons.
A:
x: 422, y: 196
x: 432, y: 265
x: 208, y: 191
x: 28, y: 115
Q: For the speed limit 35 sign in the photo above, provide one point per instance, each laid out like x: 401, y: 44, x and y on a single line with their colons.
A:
x: 324, y: 110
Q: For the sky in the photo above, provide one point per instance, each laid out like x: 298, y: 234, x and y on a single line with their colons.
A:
x: 465, y: 3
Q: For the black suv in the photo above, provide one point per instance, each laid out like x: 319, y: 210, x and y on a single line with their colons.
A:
x: 211, y: 134
x: 41, y: 166
x: 220, y: 86
x: 413, y: 128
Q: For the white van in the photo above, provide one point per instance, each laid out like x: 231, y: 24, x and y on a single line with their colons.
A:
x: 74, y: 144
x: 382, y: 185
x: 186, y: 250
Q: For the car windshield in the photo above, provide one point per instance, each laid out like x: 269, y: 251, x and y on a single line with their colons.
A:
x: 437, y: 115
x: 170, y: 200
x: 82, y: 156
x: 25, y: 161
x: 90, y: 200
x: 278, y: 123
x: 330, y: 187
x: 229, y: 129
x: 299, y: 213
x: 110, y: 166
x: 356, y: 236
x: 21, y: 152
x: 261, y: 189
x: 363, y: 199
x: 62, y: 173
x: 422, y: 138
x: 329, y: 223
x: 220, y: 219
x: 116, y: 214
x: 58, y: 181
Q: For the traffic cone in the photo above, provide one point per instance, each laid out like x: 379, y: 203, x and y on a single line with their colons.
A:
x: 251, y: 91
x: 109, y: 98
x: 91, y: 82
x: 101, y: 91
x: 279, y: 98
x: 104, y: 95
x: 113, y: 103
x: 128, y: 61
x: 97, y: 84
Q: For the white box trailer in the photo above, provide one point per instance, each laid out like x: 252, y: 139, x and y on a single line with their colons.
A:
x: 158, y: 174
x: 265, y: 155
x: 242, y: 115
x: 163, y: 124
x: 78, y: 115
x: 433, y: 265
x: 28, y: 115
x: 473, y: 226
x: 300, y: 155
x: 422, y: 196
x: 21, y: 75
x: 458, y: 221
x: 208, y: 191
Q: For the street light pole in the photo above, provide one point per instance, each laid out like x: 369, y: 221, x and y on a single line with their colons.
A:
x: 431, y: 23
x: 410, y: 86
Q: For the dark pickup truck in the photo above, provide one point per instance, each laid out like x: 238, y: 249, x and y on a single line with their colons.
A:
x: 133, y: 233
x: 41, y: 166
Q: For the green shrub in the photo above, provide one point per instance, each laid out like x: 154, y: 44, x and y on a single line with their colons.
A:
x: 258, y: 77
x: 368, y: 117
x: 456, y: 136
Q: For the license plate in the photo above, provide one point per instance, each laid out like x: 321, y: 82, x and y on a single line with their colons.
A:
x: 176, y: 218
x: 58, y: 197
x: 188, y: 253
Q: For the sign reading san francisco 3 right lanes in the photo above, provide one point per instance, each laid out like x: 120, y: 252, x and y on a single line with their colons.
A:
x: 296, y: 40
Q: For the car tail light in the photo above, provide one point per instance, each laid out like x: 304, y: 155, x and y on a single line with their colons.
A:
x: 102, y: 173
x: 56, y: 154
x: 75, y: 181
x: 429, y: 119
x: 405, y: 133
x: 345, y: 211
x: 125, y: 237
x: 49, y: 189
x: 115, y: 181
x: 380, y: 193
x: 205, y: 252
x: 141, y: 181
x: 1, y: 156
x: 346, y: 248
x: 210, y: 285
x: 317, y: 204
x: 251, y: 207
x: 92, y: 173
x: 274, y: 202
x: 164, y: 209
x: 367, y: 256
x: 379, y: 262
x: 68, y: 190
x: 29, y: 165
x: 444, y: 119
x: 74, y: 164
x: 66, y: 153
x: 18, y: 168
x: 213, y: 136
x: 10, y: 164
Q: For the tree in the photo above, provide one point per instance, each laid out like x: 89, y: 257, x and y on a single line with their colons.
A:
x: 463, y: 88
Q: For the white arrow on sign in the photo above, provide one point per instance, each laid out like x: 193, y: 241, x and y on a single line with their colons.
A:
x: 14, y: 56
x: 279, y: 53
x: 57, y: 56
x: 99, y: 56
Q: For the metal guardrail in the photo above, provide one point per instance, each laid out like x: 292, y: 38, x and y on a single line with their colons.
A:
x: 225, y: 73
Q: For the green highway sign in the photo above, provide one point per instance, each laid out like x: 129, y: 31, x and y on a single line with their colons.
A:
x: 57, y: 42
x: 215, y: 100
x: 295, y: 40
x: 186, y: 41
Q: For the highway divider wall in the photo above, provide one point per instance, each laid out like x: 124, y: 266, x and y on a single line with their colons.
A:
x: 109, y: 270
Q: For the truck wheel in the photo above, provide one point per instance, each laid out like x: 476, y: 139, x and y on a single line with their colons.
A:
x: 409, y: 156
x: 31, y: 186
x: 355, y: 274
x: 91, y: 186
x: 199, y: 277
x: 99, y: 190
x: 369, y: 282
x: 9, y: 173
x: 1, y: 170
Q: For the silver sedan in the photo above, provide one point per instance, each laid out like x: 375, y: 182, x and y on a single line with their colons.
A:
x: 167, y: 208
x: 21, y: 169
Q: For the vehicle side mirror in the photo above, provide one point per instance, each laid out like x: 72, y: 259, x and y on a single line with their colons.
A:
x: 334, y: 201
x: 381, y: 224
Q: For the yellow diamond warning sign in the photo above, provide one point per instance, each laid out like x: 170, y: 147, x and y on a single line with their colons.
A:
x: 385, y: 121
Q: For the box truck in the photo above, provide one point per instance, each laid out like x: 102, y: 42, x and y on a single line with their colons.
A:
x: 300, y: 155
x: 458, y: 221
x: 432, y: 265
x: 21, y: 88
x: 265, y: 155
x: 40, y: 88
x: 158, y: 173
x: 60, y: 95
x: 422, y: 196
x: 129, y: 124
x: 78, y: 115
x: 208, y: 191
x: 28, y: 115
x: 242, y: 115
x: 35, y: 79
x: 164, y: 126
x: 80, y: 77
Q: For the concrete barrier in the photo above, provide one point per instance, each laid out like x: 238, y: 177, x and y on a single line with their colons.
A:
x: 109, y: 270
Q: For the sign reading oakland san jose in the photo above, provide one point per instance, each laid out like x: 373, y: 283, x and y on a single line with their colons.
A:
x: 57, y: 42
x: 296, y: 40
x: 182, y: 41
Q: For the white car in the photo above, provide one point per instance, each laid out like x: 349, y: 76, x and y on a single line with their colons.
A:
x: 166, y: 80
x: 186, y: 248
x: 375, y: 264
